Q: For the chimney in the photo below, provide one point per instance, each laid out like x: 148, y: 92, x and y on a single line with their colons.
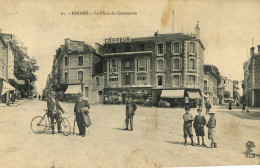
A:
x: 172, y: 21
x: 156, y: 33
x: 252, y: 50
x: 197, y: 30
x: 258, y: 48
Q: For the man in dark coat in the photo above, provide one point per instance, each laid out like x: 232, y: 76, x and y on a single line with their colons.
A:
x: 81, y: 110
x: 53, y: 107
x: 130, y: 111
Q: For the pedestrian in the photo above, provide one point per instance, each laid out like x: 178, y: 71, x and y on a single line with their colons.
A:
x: 198, y: 124
x: 130, y: 112
x: 208, y: 106
x: 81, y: 110
x: 211, y: 129
x: 230, y: 105
x: 187, y: 126
x: 39, y: 97
x: 244, y: 107
x: 53, y: 111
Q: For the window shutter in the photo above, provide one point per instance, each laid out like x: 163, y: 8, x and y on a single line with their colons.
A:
x: 195, y: 64
x: 188, y: 63
x: 164, y: 64
x: 180, y: 47
x: 77, y: 75
x: 164, y: 48
x: 195, y: 47
x: 156, y: 48
x: 180, y: 65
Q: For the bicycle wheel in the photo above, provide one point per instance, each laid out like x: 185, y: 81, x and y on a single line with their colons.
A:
x: 65, y: 126
x: 38, y: 124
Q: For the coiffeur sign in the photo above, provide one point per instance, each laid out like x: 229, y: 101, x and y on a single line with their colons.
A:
x: 117, y: 40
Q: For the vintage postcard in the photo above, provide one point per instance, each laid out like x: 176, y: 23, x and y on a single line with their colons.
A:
x: 125, y: 84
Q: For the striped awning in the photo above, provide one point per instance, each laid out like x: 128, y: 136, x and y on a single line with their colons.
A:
x: 6, y: 87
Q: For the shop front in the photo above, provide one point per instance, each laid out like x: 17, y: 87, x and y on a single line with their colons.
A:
x: 120, y: 95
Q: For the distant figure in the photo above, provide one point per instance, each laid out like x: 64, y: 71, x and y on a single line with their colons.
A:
x: 244, y: 107
x: 211, y: 129
x: 39, y: 97
x: 187, y: 126
x: 130, y: 112
x: 230, y: 106
x: 208, y: 106
x: 199, y: 123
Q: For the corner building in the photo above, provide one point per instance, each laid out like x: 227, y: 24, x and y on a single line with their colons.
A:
x: 165, y: 67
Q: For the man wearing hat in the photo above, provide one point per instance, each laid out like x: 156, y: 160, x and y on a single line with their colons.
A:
x: 211, y: 129
x: 130, y: 111
x: 198, y: 124
x: 187, y: 126
x: 53, y: 107
x: 81, y: 110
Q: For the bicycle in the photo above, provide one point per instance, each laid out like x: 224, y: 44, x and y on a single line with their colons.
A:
x: 39, y: 124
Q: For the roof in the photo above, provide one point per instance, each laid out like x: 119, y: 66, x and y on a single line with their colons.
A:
x: 258, y: 54
x: 167, y: 37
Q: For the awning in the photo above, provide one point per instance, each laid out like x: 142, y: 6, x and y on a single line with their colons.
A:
x: 73, y: 89
x: 194, y: 94
x: 172, y: 94
x: 6, y: 87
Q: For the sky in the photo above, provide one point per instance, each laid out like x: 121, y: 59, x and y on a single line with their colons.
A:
x: 226, y: 26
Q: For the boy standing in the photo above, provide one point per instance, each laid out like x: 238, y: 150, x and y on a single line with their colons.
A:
x: 211, y: 129
x: 199, y: 123
x: 187, y: 126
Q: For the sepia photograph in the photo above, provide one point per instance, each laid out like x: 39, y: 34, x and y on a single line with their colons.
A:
x: 129, y: 84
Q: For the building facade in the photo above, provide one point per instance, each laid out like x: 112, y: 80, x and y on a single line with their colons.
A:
x: 251, y: 83
x: 78, y: 68
x: 211, y: 84
x: 165, y: 67
x: 225, y: 85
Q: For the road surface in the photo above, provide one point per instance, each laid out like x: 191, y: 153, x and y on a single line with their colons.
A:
x: 157, y: 139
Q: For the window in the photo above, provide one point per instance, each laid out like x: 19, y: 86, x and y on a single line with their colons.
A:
x: 192, y: 64
x: 113, y: 65
x: 176, y: 64
x: 86, y: 91
x: 127, y: 79
x: 160, y: 48
x: 159, y: 80
x: 176, y: 80
x: 80, y: 76
x: 205, y: 85
x: 127, y: 63
x: 97, y: 81
x: 176, y: 47
x: 192, y: 47
x: 80, y: 61
x: 191, y: 80
x: 160, y: 65
x: 113, y: 49
x: 66, y: 61
x: 141, y: 64
x: 141, y: 47
x: 66, y: 76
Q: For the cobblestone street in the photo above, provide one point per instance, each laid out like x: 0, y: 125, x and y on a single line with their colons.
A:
x: 157, y: 132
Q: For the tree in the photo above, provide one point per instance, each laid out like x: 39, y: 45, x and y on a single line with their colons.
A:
x: 227, y: 94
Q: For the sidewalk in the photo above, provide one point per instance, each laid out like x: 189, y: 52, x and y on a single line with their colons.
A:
x: 16, y: 103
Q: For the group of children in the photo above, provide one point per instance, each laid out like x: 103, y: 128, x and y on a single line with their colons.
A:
x: 198, y: 123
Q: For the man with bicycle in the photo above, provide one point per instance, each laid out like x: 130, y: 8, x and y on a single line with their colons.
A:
x: 53, y: 111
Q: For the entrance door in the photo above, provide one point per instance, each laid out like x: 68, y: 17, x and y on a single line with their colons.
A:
x: 100, y: 97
